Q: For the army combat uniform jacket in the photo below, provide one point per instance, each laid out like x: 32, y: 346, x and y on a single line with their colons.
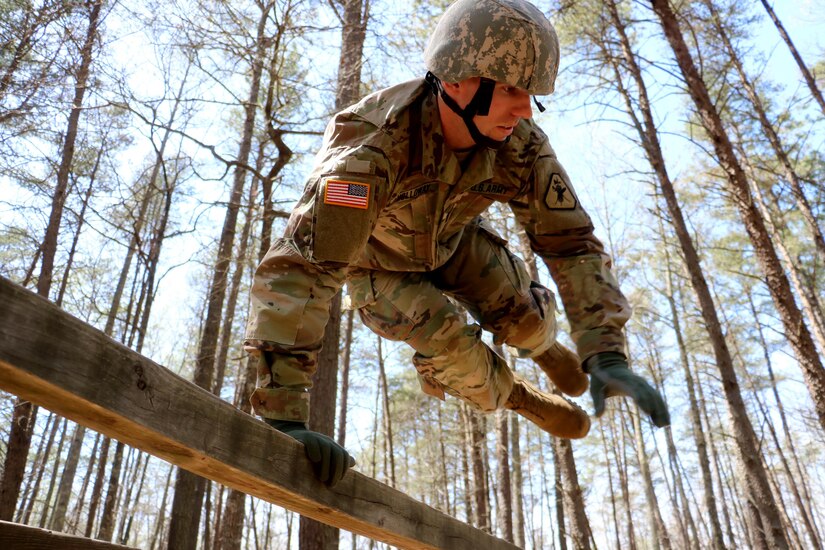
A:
x: 388, y: 196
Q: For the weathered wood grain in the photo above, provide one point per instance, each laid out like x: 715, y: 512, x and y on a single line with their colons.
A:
x: 58, y: 362
x: 14, y: 536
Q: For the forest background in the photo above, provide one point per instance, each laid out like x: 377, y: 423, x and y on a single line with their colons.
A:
x: 150, y: 150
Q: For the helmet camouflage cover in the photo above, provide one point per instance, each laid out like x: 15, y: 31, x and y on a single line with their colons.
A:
x: 507, y: 41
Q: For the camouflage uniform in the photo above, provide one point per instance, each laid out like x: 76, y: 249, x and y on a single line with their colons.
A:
x: 390, y: 209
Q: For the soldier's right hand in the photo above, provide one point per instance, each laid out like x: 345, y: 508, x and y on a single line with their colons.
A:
x: 329, y: 460
x: 610, y: 376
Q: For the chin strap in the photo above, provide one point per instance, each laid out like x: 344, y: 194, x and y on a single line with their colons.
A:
x: 479, y: 105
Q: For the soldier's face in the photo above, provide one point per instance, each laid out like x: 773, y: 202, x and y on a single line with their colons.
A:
x: 509, y: 105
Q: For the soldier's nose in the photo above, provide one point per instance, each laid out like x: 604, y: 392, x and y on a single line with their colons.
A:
x: 522, y: 107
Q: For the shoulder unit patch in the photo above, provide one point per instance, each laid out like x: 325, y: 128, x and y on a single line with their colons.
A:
x: 559, y: 195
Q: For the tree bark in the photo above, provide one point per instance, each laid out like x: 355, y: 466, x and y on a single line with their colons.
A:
x: 97, y: 489
x: 107, y: 521
x: 661, y: 538
x: 354, y: 16
x: 518, y: 481
x: 230, y: 535
x: 504, y: 486
x: 342, y: 411
x: 387, y: 415
x: 477, y: 441
x: 22, y: 427
x: 811, y: 305
x: 64, y: 490
x: 44, y: 517
x: 234, y: 289
x: 579, y: 526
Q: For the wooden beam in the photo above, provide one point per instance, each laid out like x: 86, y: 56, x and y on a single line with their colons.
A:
x: 14, y: 536
x: 61, y: 363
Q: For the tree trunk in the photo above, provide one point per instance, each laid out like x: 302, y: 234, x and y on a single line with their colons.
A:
x: 816, y: 93
x: 49, y: 246
x: 25, y: 414
x: 579, y: 526
x: 44, y: 517
x: 477, y: 442
x: 81, y: 498
x: 342, y: 411
x: 230, y: 535
x: 160, y: 521
x: 661, y: 538
x: 711, y: 513
x: 465, y: 468
x: 127, y: 530
x: 795, y: 479
x: 620, y: 447
x: 518, y: 481
x: 64, y: 490
x: 23, y: 421
x: 505, y: 491
x: 795, y: 327
x: 444, y: 476
x: 97, y: 489
x: 746, y: 439
x: 234, y: 289
x: 385, y: 400
x: 189, y: 488
x: 322, y: 412
x: 81, y: 218
x: 802, y: 202
x: 107, y: 521
x: 40, y: 465
x: 129, y: 483
x: 811, y: 305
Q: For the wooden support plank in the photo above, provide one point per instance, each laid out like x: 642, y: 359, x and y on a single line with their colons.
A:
x: 58, y: 362
x: 14, y: 536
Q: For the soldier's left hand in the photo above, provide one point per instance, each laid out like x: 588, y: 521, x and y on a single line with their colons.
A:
x: 610, y: 376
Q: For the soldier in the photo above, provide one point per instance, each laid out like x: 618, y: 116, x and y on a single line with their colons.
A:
x: 393, y: 208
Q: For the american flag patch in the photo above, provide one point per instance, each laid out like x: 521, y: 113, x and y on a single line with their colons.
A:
x: 347, y: 193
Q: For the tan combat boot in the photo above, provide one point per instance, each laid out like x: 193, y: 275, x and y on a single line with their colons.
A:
x: 564, y: 369
x: 552, y: 413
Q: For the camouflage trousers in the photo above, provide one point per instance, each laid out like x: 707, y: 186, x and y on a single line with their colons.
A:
x: 428, y: 311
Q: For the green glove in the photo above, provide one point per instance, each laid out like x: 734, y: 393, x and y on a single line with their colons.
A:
x: 609, y: 376
x: 329, y: 460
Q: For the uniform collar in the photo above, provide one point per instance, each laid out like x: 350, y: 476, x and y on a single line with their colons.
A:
x: 439, y: 162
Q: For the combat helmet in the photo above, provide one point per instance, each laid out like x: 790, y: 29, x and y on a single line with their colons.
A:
x: 507, y: 41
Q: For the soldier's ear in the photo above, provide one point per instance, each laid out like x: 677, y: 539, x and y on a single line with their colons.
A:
x: 463, y: 90
x: 452, y: 87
